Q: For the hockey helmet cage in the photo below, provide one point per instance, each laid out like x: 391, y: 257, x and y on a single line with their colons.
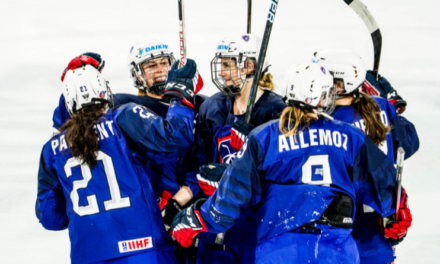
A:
x: 229, y: 68
x: 152, y: 53
x: 85, y: 86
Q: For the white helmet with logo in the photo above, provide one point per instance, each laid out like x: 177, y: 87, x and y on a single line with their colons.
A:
x: 310, y: 86
x: 143, y: 52
x: 346, y: 67
x: 84, y: 87
x: 238, y: 50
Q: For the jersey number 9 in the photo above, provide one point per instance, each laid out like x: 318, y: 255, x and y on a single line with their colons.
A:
x: 316, y: 171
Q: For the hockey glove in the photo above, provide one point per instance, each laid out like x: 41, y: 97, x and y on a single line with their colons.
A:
x: 239, y: 133
x: 209, y: 177
x: 183, y: 83
x: 396, y: 230
x: 188, y: 224
x: 169, y: 208
x: 383, y: 88
x: 88, y: 58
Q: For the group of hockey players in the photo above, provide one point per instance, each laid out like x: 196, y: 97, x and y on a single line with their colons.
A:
x: 171, y: 176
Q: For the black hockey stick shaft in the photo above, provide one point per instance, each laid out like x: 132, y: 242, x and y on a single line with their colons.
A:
x: 249, y: 16
x: 372, y: 26
x: 261, y: 57
x: 182, y: 34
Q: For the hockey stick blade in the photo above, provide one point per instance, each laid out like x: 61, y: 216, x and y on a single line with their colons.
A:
x: 373, y: 28
x: 261, y: 57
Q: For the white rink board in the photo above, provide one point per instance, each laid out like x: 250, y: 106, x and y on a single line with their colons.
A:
x: 39, y: 38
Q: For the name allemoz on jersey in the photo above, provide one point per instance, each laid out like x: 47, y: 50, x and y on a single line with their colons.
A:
x: 322, y: 137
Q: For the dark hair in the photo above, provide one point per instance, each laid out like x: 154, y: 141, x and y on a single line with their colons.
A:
x: 369, y: 111
x: 81, y: 134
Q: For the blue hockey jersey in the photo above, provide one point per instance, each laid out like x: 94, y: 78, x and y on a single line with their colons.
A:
x: 291, y: 182
x: 212, y: 144
x: 372, y: 245
x: 167, y: 176
x: 111, y: 210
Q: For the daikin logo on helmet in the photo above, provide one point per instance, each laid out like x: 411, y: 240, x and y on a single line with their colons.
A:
x: 323, y: 70
x: 152, y: 48
x: 223, y: 47
x: 246, y: 38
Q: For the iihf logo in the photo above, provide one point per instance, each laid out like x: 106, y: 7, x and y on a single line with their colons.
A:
x: 246, y: 38
x: 309, y: 100
x: 124, y: 246
x: 102, y: 94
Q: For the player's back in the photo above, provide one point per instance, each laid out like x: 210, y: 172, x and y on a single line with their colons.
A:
x: 111, y: 208
x: 302, y: 176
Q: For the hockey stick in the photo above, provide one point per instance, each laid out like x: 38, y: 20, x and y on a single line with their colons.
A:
x: 261, y: 57
x: 182, y: 34
x: 372, y: 26
x: 249, y: 16
x: 399, y: 170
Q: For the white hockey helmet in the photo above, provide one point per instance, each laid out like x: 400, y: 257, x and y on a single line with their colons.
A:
x: 151, y: 51
x: 345, y: 65
x: 237, y: 50
x: 310, y: 86
x: 84, y: 87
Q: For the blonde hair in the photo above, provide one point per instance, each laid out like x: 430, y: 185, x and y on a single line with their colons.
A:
x: 266, y: 82
x: 294, y: 120
x: 142, y: 92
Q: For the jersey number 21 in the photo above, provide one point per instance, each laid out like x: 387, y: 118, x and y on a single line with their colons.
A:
x: 116, y: 201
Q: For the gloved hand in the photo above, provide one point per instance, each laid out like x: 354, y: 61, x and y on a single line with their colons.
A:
x: 396, y: 230
x: 239, y: 133
x: 383, y: 88
x: 209, y: 177
x: 169, y: 208
x: 188, y: 224
x: 183, y: 83
x: 88, y: 58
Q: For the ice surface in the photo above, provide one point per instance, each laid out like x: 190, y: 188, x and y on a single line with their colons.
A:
x: 38, y: 39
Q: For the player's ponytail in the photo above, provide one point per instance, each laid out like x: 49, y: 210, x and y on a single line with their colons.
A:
x: 294, y: 120
x: 369, y: 111
x: 81, y: 134
x: 266, y: 82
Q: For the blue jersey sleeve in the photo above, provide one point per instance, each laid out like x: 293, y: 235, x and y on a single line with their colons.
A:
x: 240, y: 187
x: 405, y: 136
x: 60, y: 115
x: 157, y: 138
x: 51, y: 203
x: 374, y: 178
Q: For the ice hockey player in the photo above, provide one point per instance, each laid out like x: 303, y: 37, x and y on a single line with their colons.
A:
x: 149, y: 63
x: 376, y: 117
x: 90, y: 180
x: 232, y: 71
x: 301, y: 174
